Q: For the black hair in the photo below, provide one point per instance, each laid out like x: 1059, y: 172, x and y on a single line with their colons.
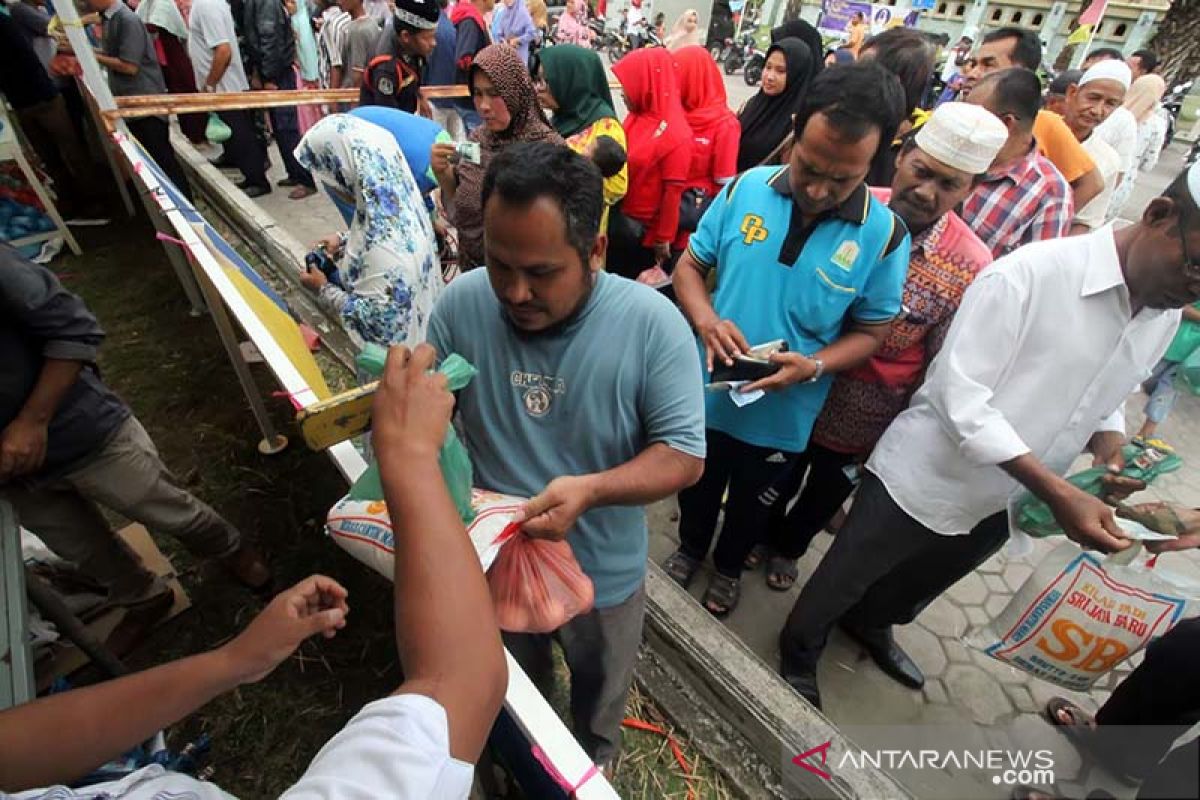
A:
x: 1017, y: 91
x: 855, y: 98
x: 526, y: 171
x: 1148, y: 58
x: 608, y: 156
x: 1107, y: 53
x: 1064, y: 79
x: 1028, y: 50
x: 907, y: 54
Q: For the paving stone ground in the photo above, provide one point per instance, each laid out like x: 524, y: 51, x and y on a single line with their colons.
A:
x: 965, y: 691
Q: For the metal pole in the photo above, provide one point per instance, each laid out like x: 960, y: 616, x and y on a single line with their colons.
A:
x: 52, y: 607
x: 272, y: 441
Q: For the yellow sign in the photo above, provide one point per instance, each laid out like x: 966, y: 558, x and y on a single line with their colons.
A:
x: 752, y: 229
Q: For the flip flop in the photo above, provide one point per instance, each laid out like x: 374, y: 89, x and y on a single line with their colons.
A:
x: 681, y: 568
x: 782, y: 573
x: 755, y: 558
x: 722, y: 595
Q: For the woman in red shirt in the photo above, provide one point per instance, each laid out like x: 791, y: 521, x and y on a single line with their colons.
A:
x: 715, y: 134
x: 659, y: 140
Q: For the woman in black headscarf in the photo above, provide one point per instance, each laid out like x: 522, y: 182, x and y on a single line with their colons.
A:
x: 799, y: 29
x: 766, y: 118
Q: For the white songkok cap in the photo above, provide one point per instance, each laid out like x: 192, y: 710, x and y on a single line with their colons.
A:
x: 1110, y: 69
x: 1193, y: 182
x: 963, y: 136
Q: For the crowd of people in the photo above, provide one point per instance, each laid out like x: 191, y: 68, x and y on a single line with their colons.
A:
x: 870, y: 287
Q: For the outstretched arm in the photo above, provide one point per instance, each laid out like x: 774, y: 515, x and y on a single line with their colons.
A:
x: 446, y: 633
x: 108, y: 718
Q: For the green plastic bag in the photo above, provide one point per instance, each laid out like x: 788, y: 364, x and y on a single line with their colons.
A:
x: 1034, y: 516
x: 216, y: 131
x: 453, y: 458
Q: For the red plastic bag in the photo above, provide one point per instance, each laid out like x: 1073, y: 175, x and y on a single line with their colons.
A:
x: 537, y: 585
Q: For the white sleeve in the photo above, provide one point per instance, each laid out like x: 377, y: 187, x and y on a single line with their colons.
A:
x: 974, y: 357
x: 398, y: 748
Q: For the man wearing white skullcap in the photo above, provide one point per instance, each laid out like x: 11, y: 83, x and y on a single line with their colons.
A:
x: 1013, y: 397
x: 1088, y: 102
x: 935, y: 171
x: 1120, y: 130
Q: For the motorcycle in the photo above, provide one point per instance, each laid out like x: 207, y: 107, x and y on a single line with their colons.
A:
x: 625, y: 40
x: 1173, y: 102
x: 720, y: 50
x: 756, y: 60
x: 738, y: 56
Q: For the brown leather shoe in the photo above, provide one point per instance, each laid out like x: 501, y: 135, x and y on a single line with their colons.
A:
x: 248, y: 566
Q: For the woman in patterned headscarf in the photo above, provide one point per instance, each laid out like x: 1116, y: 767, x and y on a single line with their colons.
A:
x: 387, y: 261
x: 505, y: 99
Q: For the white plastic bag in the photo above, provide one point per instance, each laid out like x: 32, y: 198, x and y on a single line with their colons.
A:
x: 1080, y: 614
x: 363, y: 529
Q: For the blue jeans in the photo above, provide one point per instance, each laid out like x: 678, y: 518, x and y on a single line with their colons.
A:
x: 1161, y: 388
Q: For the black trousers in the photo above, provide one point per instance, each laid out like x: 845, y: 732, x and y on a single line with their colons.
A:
x: 285, y: 123
x: 155, y: 136
x: 883, y: 568
x: 626, y: 255
x: 244, y: 148
x: 750, y: 473
x: 826, y: 487
x: 1150, y: 709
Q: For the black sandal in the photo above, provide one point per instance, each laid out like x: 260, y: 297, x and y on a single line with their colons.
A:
x: 1079, y: 727
x: 755, y: 558
x: 782, y: 573
x: 681, y: 568
x: 722, y: 595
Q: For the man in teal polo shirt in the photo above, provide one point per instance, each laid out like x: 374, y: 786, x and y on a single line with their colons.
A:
x: 801, y: 253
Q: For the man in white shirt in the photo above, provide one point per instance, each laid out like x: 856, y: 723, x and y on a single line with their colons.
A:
x: 217, y: 62
x: 1046, y: 345
x: 1120, y: 130
x: 1089, y: 99
x: 416, y: 744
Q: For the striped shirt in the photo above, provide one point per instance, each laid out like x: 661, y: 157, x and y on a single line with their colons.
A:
x: 1027, y: 201
x: 330, y: 42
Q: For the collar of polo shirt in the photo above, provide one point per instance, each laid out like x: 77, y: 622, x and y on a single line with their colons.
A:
x: 853, y: 209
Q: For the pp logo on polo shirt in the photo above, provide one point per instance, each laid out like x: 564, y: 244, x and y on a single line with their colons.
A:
x: 752, y: 229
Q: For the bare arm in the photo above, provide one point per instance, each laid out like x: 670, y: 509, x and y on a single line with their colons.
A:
x: 446, y: 633
x: 116, y: 64
x: 1085, y: 519
x: 109, y: 718
x: 657, y: 472
x: 23, y: 441
x: 1087, y: 186
x: 1191, y: 314
x: 222, y: 54
x: 850, y: 349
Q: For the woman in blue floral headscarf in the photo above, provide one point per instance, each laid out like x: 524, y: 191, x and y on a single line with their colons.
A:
x: 388, y: 262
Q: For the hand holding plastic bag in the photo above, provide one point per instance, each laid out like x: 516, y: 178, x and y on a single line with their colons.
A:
x: 537, y: 585
x: 1035, y: 518
x: 453, y: 458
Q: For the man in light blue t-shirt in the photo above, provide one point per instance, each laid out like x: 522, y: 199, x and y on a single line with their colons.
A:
x: 801, y: 253
x: 588, y: 400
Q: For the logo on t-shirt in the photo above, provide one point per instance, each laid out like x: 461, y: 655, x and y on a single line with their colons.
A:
x: 752, y: 229
x: 539, y: 391
x: 846, y: 254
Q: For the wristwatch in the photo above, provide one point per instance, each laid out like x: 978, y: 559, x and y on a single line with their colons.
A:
x: 210, y: 88
x: 818, y: 372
